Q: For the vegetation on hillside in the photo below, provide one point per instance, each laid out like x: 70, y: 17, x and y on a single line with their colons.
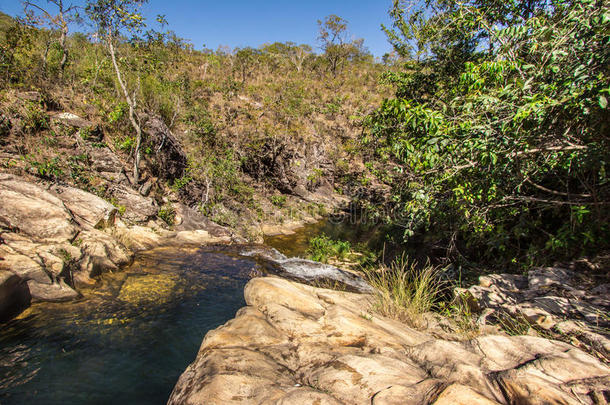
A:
x: 254, y: 122
x: 496, y: 138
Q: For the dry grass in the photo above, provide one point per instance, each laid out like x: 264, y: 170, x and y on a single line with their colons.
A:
x: 404, y: 290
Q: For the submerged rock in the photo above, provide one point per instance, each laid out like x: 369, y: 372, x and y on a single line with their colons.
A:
x: 148, y: 289
x: 297, y: 344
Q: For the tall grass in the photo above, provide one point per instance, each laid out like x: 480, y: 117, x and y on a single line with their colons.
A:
x: 404, y: 290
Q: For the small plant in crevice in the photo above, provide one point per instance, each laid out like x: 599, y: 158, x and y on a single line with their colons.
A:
x: 168, y: 214
x: 278, y: 200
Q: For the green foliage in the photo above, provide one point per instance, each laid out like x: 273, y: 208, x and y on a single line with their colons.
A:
x: 47, y: 168
x: 35, y: 118
x: 322, y: 248
x: 278, y: 200
x: 180, y: 183
x: 168, y: 214
x: 505, y: 151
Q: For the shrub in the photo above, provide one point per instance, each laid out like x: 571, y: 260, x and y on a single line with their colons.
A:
x: 278, y: 200
x: 322, y: 248
x: 168, y: 214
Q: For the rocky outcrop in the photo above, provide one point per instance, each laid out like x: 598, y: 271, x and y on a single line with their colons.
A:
x: 55, y: 239
x: 88, y: 130
x: 138, y: 209
x: 297, y: 344
x: 553, y: 299
x: 170, y: 160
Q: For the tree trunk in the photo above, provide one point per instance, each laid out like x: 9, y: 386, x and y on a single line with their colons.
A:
x: 64, y: 49
x: 132, y: 113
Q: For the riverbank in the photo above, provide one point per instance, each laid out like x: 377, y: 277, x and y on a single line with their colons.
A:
x: 297, y: 344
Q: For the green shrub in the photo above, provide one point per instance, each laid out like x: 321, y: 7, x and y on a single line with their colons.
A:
x: 168, y: 214
x: 322, y: 248
x: 278, y: 200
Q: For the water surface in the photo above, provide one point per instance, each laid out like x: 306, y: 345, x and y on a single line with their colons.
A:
x: 128, y: 340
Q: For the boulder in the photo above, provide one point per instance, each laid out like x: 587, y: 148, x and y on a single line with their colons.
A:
x: 170, y: 160
x: 31, y: 210
x: 89, y: 130
x: 87, y: 208
x: 188, y: 219
x: 55, y: 292
x: 105, y: 162
x: 138, y: 209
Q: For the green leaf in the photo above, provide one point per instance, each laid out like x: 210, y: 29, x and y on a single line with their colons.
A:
x: 603, y: 102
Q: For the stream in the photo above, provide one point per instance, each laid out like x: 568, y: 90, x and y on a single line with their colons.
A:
x: 128, y: 339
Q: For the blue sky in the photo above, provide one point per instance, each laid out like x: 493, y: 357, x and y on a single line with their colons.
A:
x: 252, y: 23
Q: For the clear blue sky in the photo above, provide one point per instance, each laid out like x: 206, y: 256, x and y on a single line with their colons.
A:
x: 253, y: 23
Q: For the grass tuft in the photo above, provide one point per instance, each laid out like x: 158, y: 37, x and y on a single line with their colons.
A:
x: 404, y: 290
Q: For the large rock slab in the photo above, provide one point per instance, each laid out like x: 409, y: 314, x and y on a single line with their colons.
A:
x: 30, y: 209
x: 297, y: 344
x: 88, y: 208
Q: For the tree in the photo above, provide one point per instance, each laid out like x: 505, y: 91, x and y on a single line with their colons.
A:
x: 507, y: 154
x: 245, y: 62
x: 336, y: 44
x: 110, y: 18
x: 66, y: 15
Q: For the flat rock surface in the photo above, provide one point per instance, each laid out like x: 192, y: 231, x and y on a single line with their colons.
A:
x: 297, y: 344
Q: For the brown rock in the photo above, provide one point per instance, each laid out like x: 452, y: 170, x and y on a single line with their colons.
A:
x: 87, y: 208
x: 34, y: 211
x: 299, y: 344
x: 457, y: 394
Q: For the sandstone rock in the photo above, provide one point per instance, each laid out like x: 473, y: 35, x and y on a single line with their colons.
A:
x: 299, y: 344
x: 457, y: 394
x: 92, y: 131
x: 88, y: 208
x: 103, y: 254
x: 33, y: 211
x: 138, y: 209
x: 106, y: 163
x: 22, y: 265
x: 55, y: 292
x: 145, y: 189
x: 547, y: 277
x: 136, y: 237
x: 548, y: 296
x: 191, y: 220
x: 200, y: 237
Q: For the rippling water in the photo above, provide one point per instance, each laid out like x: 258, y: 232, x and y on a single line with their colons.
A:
x: 128, y: 340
